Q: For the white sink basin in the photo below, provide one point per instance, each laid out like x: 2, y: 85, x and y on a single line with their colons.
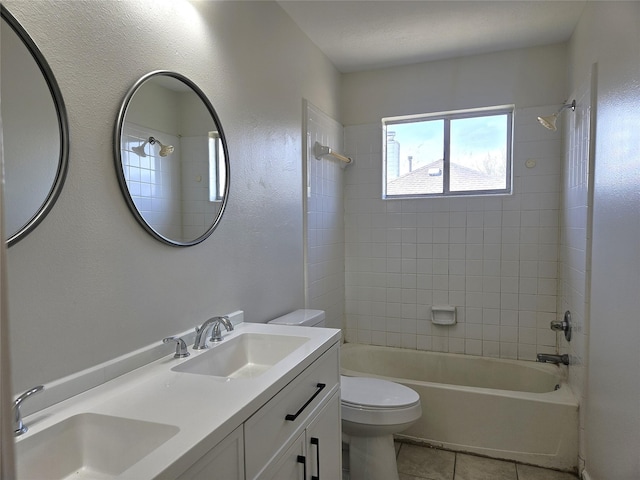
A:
x: 87, y: 446
x: 246, y: 356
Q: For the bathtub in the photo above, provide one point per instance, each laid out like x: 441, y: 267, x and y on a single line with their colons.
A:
x: 506, y: 409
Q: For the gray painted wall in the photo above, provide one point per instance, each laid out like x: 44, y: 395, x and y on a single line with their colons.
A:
x: 89, y: 284
x: 609, y: 34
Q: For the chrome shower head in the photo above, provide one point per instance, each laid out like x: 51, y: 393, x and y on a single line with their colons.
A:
x: 164, y: 149
x: 549, y: 122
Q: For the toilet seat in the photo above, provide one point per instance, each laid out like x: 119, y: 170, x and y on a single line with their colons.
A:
x: 375, y: 393
x: 374, y: 401
x: 373, y: 410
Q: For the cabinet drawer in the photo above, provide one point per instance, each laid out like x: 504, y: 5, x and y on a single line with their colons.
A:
x: 269, y: 431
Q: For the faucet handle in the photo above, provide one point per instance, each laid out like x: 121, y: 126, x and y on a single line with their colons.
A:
x: 563, y: 326
x: 18, y: 427
x: 181, y: 347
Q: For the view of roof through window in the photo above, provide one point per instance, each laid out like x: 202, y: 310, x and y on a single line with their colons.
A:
x: 453, y: 154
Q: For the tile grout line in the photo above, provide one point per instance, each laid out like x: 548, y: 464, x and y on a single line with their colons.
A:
x: 420, y: 475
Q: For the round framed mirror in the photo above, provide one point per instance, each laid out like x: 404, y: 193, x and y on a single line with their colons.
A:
x: 35, y: 131
x: 171, y: 159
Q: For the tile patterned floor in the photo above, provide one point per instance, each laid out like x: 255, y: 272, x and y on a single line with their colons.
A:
x: 423, y: 463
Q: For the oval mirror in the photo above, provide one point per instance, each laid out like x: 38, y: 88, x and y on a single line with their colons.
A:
x: 35, y: 131
x: 171, y: 159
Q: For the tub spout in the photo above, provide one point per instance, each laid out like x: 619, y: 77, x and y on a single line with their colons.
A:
x: 555, y: 359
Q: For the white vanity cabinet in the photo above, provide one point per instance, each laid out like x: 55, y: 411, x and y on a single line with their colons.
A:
x: 295, y: 435
x: 290, y: 465
x: 324, y: 443
x: 316, y: 453
x: 212, y: 416
x: 278, y: 437
x: 225, y: 461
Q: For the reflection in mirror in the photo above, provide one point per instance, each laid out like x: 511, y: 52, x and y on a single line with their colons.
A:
x: 171, y: 159
x: 35, y: 131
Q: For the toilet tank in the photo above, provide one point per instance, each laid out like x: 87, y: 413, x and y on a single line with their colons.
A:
x: 303, y: 318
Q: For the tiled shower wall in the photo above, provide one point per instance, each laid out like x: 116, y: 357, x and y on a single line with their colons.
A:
x: 494, y: 258
x: 324, y: 207
x: 575, y: 243
x: 172, y: 192
x: 154, y: 181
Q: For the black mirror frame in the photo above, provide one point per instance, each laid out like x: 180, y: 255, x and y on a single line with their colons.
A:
x: 118, y: 157
x: 63, y: 126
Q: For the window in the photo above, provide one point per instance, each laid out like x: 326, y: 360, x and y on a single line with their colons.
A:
x: 217, y: 168
x: 448, y: 154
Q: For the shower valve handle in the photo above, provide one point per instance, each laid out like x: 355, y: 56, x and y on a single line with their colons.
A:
x: 563, y: 326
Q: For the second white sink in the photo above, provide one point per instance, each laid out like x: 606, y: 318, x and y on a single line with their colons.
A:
x: 247, y: 355
x: 88, y: 446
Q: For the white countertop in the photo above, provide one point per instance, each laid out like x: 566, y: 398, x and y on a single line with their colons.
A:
x: 205, y: 408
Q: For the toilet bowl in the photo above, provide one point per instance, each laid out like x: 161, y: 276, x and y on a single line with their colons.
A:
x: 373, y: 410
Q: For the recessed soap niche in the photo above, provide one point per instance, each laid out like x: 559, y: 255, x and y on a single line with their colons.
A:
x: 443, y: 314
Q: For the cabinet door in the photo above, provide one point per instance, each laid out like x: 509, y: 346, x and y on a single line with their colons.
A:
x: 291, y: 465
x: 225, y: 461
x: 281, y: 419
x: 324, y: 443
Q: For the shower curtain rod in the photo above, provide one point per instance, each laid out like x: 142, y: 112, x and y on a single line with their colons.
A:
x: 321, y: 150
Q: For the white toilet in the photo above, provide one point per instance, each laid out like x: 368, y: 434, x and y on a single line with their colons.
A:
x: 372, y: 411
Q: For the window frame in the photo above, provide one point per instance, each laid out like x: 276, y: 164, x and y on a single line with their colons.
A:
x: 217, y: 167
x: 447, y: 117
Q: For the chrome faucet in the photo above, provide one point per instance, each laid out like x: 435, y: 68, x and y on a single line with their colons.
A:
x: 181, y: 346
x: 216, y: 336
x: 214, y: 322
x: 18, y: 427
x: 555, y: 359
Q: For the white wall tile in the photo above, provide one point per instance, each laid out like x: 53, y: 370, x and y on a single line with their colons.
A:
x: 327, y: 227
x: 573, y: 251
x: 495, y: 258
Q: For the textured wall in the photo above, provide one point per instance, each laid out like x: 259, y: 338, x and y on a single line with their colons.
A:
x: 527, y: 77
x: 609, y: 34
x: 89, y: 284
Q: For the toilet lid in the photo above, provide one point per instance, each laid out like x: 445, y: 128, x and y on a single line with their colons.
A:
x: 376, y: 393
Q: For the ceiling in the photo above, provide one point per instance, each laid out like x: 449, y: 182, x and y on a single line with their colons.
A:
x: 369, y: 34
